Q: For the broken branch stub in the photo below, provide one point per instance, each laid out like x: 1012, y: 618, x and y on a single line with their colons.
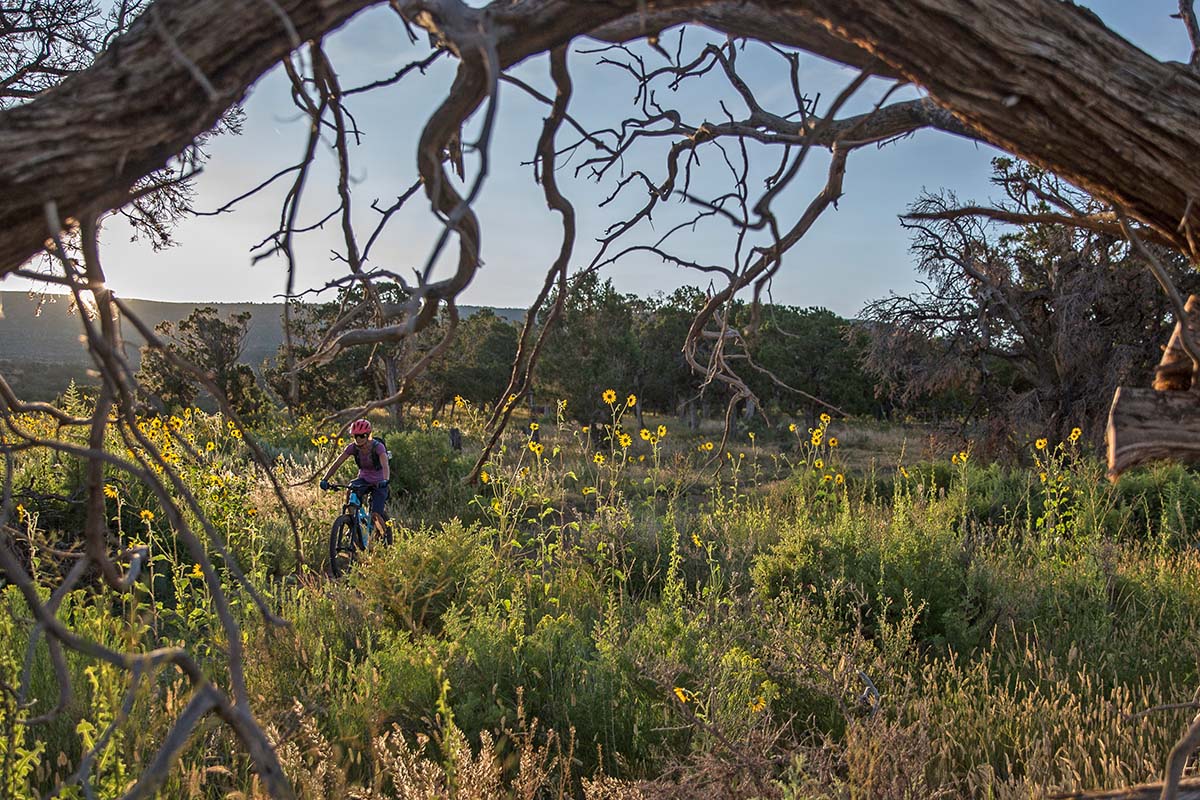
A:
x: 1176, y: 371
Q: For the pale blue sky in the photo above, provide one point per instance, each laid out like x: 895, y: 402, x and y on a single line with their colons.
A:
x: 854, y: 254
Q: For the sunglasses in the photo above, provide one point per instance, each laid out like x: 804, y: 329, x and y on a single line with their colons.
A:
x: 360, y: 436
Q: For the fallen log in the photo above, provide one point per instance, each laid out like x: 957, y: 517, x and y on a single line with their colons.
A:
x: 1162, y: 423
x: 1147, y: 425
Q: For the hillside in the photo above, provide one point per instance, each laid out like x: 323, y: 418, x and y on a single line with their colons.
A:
x: 40, y: 349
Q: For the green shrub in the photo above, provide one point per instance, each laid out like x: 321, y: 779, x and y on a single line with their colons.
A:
x: 427, y: 475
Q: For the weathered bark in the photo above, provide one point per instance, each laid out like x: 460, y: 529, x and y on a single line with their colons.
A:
x: 1145, y: 425
x: 1162, y: 423
x: 1040, y: 78
x: 1048, y: 82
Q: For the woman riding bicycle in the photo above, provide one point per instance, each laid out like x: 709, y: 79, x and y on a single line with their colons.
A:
x: 371, y: 458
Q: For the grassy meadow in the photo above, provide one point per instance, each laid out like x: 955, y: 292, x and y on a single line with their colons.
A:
x: 846, y: 610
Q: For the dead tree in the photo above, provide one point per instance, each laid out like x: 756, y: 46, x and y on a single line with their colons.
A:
x: 1061, y: 315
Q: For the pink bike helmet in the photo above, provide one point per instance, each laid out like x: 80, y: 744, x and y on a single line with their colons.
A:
x: 360, y: 426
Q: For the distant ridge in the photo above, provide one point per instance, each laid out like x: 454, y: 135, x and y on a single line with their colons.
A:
x: 42, y: 333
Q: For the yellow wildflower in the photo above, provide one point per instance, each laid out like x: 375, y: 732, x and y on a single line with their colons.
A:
x: 598, y: 458
x: 962, y: 456
x: 197, y: 572
x: 825, y: 418
x: 584, y: 429
x: 758, y: 704
x: 1075, y: 434
x: 533, y: 426
x: 833, y: 441
x: 954, y: 458
x: 1042, y: 475
x: 210, y: 446
x: 631, y: 400
x: 682, y: 694
x: 642, y: 458
x: 792, y: 427
x: 818, y: 464
x: 437, y: 423
x: 625, y: 439
x: 645, y: 434
x: 839, y: 479
x: 752, y: 436
x: 696, y: 541
x: 235, y: 433
x: 609, y: 396
x: 110, y: 492
x: 484, y: 477
x: 147, y: 515
x: 662, y: 431
x: 904, y: 472
x: 816, y: 437
x: 496, y: 505
x: 458, y: 401
x: 1040, y: 444
x: 708, y: 446
x: 827, y: 478
x: 20, y: 511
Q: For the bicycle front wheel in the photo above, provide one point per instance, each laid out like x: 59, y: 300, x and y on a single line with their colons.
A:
x: 343, y: 547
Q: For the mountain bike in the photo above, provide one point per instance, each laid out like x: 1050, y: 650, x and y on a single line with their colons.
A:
x: 352, y: 532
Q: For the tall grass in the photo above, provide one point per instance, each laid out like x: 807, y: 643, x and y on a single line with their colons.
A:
x: 620, y: 613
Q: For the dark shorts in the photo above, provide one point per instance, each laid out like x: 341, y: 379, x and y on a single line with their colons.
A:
x: 379, y: 496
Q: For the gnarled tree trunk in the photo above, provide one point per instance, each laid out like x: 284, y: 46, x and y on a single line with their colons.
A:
x: 1042, y: 79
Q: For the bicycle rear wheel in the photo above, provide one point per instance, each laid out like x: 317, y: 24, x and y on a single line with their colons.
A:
x: 343, y: 546
x: 383, y: 532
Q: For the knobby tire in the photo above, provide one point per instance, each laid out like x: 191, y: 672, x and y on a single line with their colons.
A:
x: 343, y: 547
